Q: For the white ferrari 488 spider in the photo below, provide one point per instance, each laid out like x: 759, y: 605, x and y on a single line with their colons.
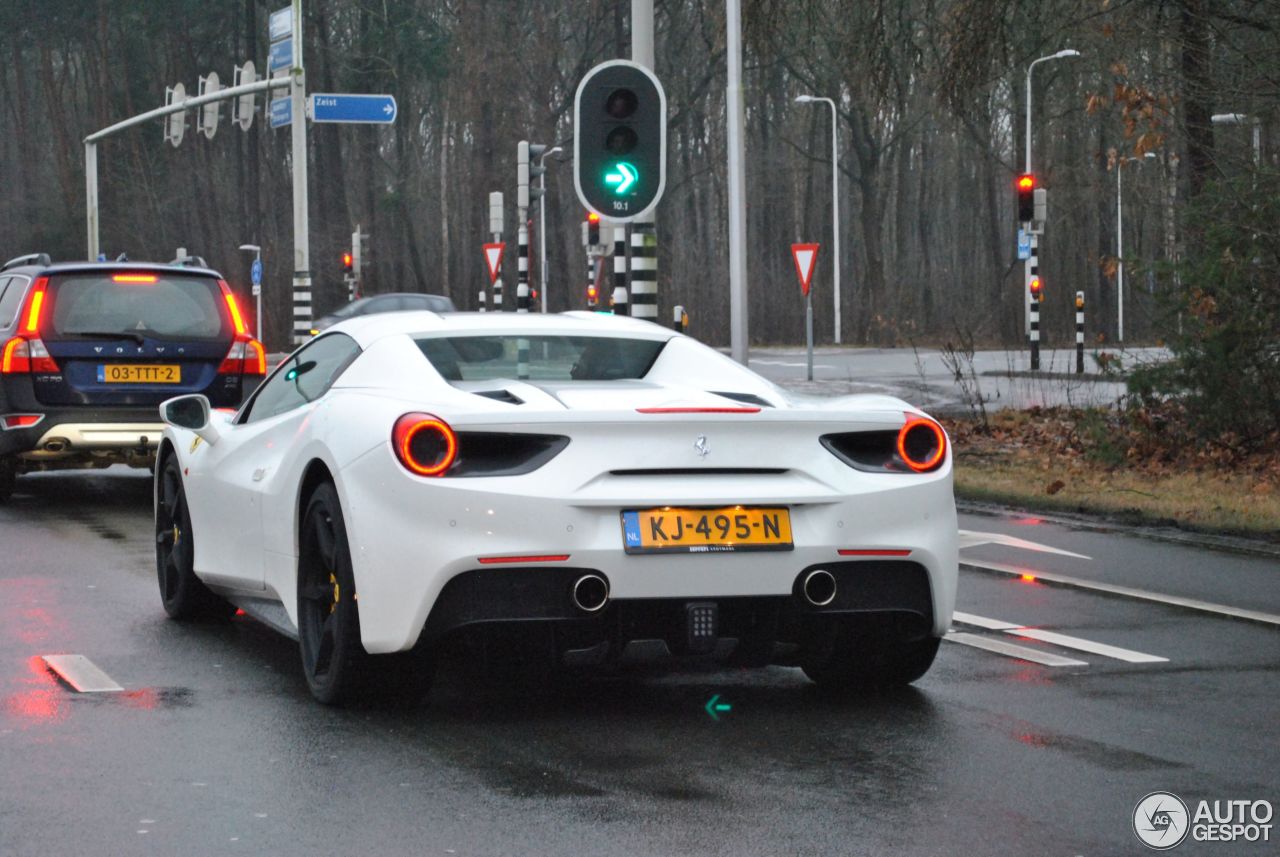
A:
x: 612, y: 489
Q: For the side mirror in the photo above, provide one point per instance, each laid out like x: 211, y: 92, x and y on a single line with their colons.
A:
x: 191, y: 413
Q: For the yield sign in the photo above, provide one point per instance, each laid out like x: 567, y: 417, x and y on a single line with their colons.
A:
x: 804, y: 255
x: 493, y: 257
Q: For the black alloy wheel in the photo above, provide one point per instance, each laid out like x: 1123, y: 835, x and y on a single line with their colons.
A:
x: 337, y: 668
x: 8, y: 476
x: 181, y: 592
x: 847, y: 659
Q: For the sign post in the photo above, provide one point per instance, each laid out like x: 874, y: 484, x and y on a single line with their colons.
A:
x: 805, y: 256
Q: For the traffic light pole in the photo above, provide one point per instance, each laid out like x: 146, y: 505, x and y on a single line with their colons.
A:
x: 644, y: 234
x: 1033, y: 300
x: 620, y: 299
x: 301, y: 226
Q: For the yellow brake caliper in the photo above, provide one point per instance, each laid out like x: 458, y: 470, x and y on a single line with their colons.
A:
x: 336, y: 592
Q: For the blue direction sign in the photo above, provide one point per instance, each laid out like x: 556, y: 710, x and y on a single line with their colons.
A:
x: 280, y: 56
x: 1024, y: 244
x: 255, y: 272
x: 281, y: 112
x: 280, y: 24
x: 348, y: 107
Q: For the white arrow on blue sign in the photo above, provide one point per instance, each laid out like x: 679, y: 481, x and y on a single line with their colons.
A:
x: 280, y: 56
x: 255, y: 272
x: 1024, y: 244
x: 349, y: 107
x: 281, y: 112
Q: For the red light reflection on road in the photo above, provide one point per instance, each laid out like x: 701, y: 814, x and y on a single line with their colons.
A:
x: 42, y: 702
x: 1028, y: 522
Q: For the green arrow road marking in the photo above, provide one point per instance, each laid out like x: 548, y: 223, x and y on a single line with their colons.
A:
x: 713, y: 706
x: 624, y: 178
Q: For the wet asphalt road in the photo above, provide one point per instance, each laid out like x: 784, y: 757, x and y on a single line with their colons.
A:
x: 215, y: 747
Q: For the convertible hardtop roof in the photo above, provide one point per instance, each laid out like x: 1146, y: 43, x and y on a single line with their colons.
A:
x: 368, y: 329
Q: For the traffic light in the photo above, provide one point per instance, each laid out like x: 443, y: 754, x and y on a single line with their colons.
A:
x: 1026, y: 197
x: 592, y: 297
x: 620, y: 140
x: 1037, y: 289
x: 348, y: 263
x: 593, y: 229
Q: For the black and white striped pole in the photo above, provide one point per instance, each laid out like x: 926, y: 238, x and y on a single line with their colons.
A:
x: 620, y: 297
x: 644, y: 270
x: 1079, y: 333
x: 679, y: 319
x: 1036, y: 287
x: 522, y: 286
x: 496, y: 228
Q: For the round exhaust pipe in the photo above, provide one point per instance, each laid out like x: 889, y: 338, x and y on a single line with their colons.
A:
x: 819, y: 587
x: 57, y: 444
x: 590, y: 593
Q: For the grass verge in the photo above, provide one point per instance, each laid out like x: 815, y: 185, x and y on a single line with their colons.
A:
x: 1042, y: 462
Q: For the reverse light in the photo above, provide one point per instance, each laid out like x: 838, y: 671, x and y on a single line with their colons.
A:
x: 22, y: 355
x: 921, y: 444
x: 245, y: 357
x: 135, y: 279
x: 424, y: 444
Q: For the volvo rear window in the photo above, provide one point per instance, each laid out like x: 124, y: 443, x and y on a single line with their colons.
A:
x: 158, y: 305
x: 540, y: 358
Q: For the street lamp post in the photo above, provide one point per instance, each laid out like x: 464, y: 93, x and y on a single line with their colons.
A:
x: 1026, y: 290
x: 835, y: 202
x: 542, y: 226
x: 1120, y: 242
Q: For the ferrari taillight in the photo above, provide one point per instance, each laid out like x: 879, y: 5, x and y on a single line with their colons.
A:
x: 424, y: 444
x: 922, y: 444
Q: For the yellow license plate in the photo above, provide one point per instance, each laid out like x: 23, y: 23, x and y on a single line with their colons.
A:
x: 731, y: 528
x: 138, y: 373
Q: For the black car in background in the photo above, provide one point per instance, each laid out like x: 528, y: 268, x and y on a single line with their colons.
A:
x: 89, y: 350
x: 392, y: 302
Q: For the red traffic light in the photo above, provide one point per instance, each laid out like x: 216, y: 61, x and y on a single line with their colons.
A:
x: 1036, y: 287
x: 1027, y: 181
x: 592, y: 217
x: 348, y: 261
x: 1026, y: 197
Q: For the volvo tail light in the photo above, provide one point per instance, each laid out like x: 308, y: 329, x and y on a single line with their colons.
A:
x: 245, y: 357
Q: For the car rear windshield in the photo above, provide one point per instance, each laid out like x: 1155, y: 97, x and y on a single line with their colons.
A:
x: 549, y: 358
x: 153, y: 304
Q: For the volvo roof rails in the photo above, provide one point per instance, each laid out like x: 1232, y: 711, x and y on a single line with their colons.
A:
x: 29, y: 259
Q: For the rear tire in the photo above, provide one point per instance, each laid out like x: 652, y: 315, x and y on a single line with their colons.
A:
x: 8, y: 476
x: 181, y: 592
x: 337, y: 668
x: 850, y: 659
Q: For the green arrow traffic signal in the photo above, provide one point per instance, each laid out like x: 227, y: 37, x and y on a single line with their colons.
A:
x: 624, y: 177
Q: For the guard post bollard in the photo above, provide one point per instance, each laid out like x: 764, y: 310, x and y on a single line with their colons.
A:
x: 1079, y: 333
x: 620, y: 270
x: 677, y: 319
x: 1035, y: 324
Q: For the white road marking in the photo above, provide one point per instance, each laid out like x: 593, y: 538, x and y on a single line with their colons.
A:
x: 1126, y: 591
x: 1000, y: 647
x: 81, y: 673
x: 971, y: 538
x: 983, y: 622
x: 1065, y: 641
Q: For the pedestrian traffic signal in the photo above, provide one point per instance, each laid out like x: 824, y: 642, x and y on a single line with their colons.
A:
x: 1026, y: 198
x: 348, y: 263
x: 593, y: 229
x: 620, y: 140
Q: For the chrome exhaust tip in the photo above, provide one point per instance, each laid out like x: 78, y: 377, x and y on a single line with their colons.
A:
x: 819, y: 587
x: 57, y: 444
x: 590, y: 593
